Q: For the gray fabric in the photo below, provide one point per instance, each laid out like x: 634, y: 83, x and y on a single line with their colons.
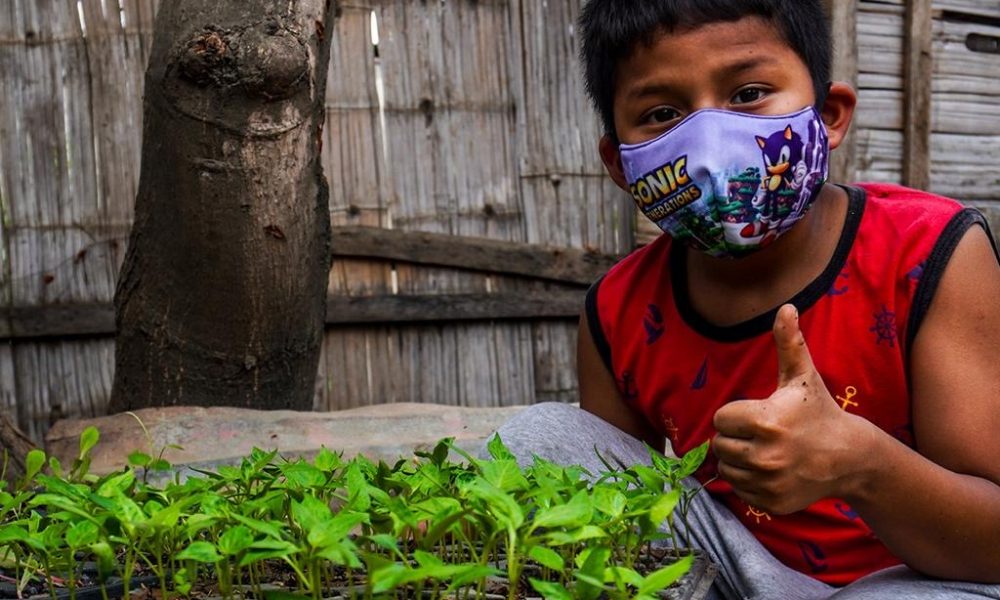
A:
x: 567, y: 435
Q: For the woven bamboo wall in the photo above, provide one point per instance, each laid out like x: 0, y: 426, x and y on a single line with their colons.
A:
x: 467, y: 119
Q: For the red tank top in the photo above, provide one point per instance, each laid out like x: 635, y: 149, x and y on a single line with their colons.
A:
x: 859, y: 318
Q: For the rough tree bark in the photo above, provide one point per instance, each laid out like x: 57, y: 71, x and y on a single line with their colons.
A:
x: 221, y: 298
x: 14, y: 447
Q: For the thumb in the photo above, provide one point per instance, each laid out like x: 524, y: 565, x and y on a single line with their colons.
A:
x: 794, y: 360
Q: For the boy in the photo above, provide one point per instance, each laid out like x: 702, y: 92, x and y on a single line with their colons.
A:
x: 862, y: 465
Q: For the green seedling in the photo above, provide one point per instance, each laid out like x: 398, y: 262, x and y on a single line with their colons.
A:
x: 430, y: 526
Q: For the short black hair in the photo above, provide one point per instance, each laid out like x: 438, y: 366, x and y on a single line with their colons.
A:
x: 612, y: 29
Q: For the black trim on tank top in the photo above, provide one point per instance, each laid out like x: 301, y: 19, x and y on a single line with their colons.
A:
x: 803, y: 300
x: 937, y: 261
x: 594, y: 324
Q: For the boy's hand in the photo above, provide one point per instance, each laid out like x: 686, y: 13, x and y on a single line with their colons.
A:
x: 783, y: 453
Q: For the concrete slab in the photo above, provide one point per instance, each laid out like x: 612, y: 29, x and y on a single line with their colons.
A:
x: 215, y: 436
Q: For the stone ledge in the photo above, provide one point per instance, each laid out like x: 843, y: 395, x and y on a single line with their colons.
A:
x: 215, y: 436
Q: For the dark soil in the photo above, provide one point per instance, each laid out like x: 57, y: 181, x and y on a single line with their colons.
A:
x: 280, y: 578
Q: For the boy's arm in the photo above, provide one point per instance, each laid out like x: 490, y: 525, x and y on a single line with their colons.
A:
x: 936, y: 508
x: 599, y: 394
x: 943, y: 517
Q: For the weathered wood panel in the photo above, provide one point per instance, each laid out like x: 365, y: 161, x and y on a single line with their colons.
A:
x: 844, y: 27
x: 965, y: 87
x: 568, y: 198
x: 467, y: 119
x: 69, y: 132
x: 918, y: 70
x: 965, y: 93
x: 60, y: 379
x: 987, y: 8
x: 8, y: 384
x: 353, y: 153
x: 443, y: 67
x: 535, y: 261
x: 55, y: 322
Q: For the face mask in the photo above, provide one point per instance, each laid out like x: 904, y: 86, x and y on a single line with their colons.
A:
x: 729, y: 183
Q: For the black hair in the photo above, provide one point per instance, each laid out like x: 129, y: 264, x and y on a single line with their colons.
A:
x: 612, y: 29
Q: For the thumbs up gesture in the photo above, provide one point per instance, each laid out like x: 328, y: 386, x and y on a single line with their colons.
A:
x: 785, y: 452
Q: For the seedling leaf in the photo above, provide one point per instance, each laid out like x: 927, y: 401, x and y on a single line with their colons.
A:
x: 498, y: 450
x: 548, y: 558
x: 88, y: 439
x: 693, y: 460
x: 663, y: 578
x: 235, y: 540
x: 550, y: 590
x: 200, y: 551
x: 575, y: 513
x: 33, y: 463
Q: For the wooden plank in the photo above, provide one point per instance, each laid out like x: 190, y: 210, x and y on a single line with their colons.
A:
x: 544, y: 304
x: 36, y: 322
x: 98, y: 320
x: 982, y: 8
x: 480, y: 254
x: 918, y: 71
x: 354, y: 163
x: 115, y: 67
x: 844, y: 25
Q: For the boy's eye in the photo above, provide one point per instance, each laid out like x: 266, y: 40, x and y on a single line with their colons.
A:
x: 664, y: 114
x: 748, y: 95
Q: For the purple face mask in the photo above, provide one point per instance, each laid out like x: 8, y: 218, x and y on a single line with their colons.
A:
x: 729, y: 183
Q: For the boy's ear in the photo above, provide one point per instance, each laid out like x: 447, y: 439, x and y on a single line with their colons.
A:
x: 612, y: 158
x: 838, y: 111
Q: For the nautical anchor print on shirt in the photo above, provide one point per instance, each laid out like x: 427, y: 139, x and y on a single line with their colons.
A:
x: 846, y: 401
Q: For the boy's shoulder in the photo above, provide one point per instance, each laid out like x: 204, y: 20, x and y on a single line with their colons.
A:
x: 900, y: 214
x: 894, y: 197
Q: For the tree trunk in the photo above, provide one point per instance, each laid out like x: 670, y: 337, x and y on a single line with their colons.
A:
x: 14, y: 447
x: 221, y: 299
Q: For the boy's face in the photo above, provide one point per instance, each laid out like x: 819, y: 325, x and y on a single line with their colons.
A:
x: 743, y: 66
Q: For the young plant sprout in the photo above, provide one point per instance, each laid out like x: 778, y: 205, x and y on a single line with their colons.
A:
x: 429, y: 527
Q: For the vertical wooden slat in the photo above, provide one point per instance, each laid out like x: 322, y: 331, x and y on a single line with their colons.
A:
x: 53, y: 179
x: 450, y: 168
x: 11, y: 63
x: 72, y: 118
x: 352, y: 149
x: 844, y: 25
x: 918, y: 71
x: 568, y: 198
x: 353, y: 161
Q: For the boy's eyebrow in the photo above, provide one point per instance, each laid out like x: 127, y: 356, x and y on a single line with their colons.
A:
x: 657, y: 88
x: 749, y: 64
